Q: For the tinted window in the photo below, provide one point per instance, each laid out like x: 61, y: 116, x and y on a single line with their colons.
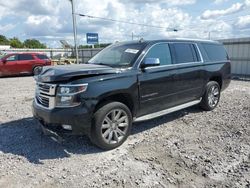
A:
x: 162, y: 52
x: 12, y: 58
x: 185, y: 53
x: 215, y: 52
x: 25, y: 57
x: 203, y: 52
x: 41, y: 56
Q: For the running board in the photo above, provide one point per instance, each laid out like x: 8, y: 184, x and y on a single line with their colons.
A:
x: 167, y: 111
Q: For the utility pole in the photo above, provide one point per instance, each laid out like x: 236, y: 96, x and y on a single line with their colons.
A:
x: 74, y: 29
x: 132, y: 35
x: 209, y: 35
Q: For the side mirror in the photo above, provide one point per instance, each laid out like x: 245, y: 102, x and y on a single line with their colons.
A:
x: 4, y: 61
x: 150, y: 62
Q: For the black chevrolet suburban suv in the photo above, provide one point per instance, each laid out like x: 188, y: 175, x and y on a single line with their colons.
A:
x: 127, y: 82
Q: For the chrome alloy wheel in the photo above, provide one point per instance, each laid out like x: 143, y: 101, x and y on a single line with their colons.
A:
x: 115, y: 126
x: 213, y: 96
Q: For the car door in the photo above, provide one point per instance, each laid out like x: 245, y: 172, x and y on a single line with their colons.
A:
x: 8, y: 66
x: 156, y: 84
x: 189, y: 65
x: 25, y: 63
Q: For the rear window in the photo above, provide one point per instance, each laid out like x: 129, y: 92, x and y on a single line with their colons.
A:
x: 215, y: 52
x: 42, y: 56
x: 25, y: 57
x: 185, y: 53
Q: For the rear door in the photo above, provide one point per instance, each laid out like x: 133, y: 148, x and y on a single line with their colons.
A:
x: 156, y: 84
x: 189, y: 82
x: 9, y: 66
x: 25, y: 63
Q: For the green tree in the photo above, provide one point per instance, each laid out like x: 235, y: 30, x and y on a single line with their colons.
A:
x: 4, y: 40
x: 33, y: 43
x: 16, y: 43
x: 103, y: 45
x: 84, y: 46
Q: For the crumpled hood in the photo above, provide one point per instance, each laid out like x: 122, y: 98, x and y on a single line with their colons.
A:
x: 66, y: 72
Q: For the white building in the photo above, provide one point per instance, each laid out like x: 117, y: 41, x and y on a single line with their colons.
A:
x: 4, y: 47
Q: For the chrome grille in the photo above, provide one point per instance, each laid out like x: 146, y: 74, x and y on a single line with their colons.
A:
x: 43, y: 100
x: 44, y: 88
x: 47, y: 89
x: 45, y: 95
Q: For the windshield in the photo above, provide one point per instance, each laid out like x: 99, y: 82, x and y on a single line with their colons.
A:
x: 118, y: 55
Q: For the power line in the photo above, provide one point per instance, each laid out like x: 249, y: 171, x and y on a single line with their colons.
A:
x: 198, y: 26
x: 154, y: 26
x: 127, y: 22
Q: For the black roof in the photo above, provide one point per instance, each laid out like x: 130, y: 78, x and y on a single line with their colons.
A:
x: 170, y: 40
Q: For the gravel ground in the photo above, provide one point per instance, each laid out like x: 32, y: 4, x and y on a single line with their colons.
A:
x: 189, y: 148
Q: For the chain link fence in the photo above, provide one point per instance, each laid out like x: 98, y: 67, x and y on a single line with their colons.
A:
x: 84, y: 54
x: 238, y: 51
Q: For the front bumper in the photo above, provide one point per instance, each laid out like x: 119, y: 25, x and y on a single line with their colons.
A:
x: 78, y: 117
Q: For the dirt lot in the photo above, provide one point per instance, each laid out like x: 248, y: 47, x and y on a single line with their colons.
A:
x: 189, y: 148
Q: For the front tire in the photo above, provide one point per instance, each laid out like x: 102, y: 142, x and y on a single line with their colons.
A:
x: 111, y: 125
x: 211, y: 96
x: 36, y: 70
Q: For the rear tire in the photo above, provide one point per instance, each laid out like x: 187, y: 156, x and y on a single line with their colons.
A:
x: 111, y: 125
x: 211, y: 96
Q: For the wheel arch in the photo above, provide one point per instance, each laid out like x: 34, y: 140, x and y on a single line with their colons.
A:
x: 124, y: 98
x: 218, y: 79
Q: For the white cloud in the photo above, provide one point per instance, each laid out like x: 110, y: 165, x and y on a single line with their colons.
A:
x: 42, y: 25
x: 181, y: 2
x: 37, y: 20
x: 6, y: 28
x: 243, y: 21
x: 51, y: 21
x: 235, y: 8
x: 220, y: 1
x: 247, y: 2
x: 216, y: 13
x: 150, y: 14
x: 168, y: 2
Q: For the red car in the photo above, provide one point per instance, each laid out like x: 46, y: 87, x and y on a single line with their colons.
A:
x: 22, y: 63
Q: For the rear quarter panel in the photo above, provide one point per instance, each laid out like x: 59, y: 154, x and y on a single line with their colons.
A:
x: 218, y: 69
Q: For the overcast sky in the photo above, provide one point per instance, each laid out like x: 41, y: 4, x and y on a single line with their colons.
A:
x: 50, y: 20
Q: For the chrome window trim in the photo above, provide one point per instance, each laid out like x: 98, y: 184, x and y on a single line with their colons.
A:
x: 173, y: 65
x: 199, y: 52
x: 176, y: 65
